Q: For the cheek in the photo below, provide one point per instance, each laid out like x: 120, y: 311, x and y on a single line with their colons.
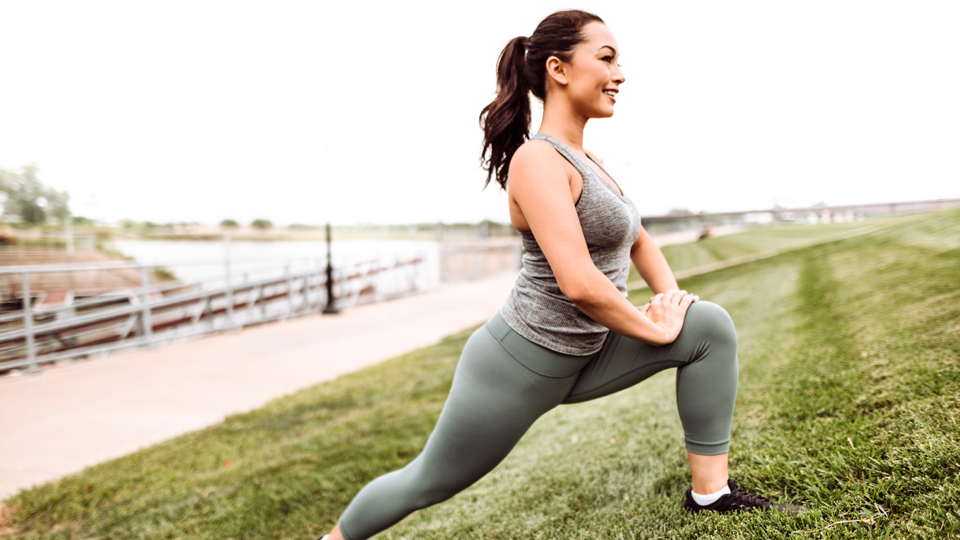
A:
x: 600, y: 80
x: 592, y: 85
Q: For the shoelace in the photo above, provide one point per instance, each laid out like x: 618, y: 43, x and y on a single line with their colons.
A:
x: 751, y: 498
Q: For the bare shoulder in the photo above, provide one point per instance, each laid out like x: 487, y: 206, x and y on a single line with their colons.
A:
x: 535, y: 166
x: 535, y: 152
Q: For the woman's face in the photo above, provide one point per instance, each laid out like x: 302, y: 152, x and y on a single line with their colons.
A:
x: 594, y: 75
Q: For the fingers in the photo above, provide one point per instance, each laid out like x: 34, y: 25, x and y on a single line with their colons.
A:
x: 664, y: 297
x: 673, y: 297
x: 679, y: 296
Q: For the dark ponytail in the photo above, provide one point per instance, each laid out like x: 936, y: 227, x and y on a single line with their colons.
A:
x: 521, y: 68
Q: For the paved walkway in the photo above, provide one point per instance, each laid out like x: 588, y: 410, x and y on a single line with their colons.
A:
x: 66, y: 418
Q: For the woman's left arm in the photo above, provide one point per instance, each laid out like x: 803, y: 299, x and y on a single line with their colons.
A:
x: 651, y: 264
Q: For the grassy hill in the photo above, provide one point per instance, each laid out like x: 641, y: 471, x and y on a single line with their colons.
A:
x: 758, y: 242
x: 848, y: 403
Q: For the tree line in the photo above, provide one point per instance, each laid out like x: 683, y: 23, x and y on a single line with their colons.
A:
x: 24, y: 197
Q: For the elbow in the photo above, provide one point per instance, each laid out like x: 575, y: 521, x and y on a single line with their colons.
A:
x: 576, y: 295
x: 580, y: 292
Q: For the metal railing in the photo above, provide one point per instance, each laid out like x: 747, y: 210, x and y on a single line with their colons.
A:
x: 153, y: 314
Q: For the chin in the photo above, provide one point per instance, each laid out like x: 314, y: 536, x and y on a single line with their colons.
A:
x: 605, y: 114
x: 602, y: 112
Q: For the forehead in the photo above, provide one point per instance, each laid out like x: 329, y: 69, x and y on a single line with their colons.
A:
x: 598, y: 35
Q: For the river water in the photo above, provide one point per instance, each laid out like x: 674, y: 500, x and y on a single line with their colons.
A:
x: 207, y: 261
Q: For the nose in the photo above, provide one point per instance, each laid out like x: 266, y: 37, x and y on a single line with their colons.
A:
x: 619, y: 76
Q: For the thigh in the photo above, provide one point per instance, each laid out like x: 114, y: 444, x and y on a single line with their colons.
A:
x: 623, y: 362
x: 493, y: 401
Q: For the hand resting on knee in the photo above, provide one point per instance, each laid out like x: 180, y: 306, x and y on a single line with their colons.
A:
x: 668, y: 309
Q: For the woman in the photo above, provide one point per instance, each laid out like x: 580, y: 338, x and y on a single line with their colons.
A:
x: 567, y: 333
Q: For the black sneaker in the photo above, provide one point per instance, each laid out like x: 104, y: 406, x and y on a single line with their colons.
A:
x: 738, y: 500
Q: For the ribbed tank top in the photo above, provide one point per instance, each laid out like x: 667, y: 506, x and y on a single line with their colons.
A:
x: 536, y: 308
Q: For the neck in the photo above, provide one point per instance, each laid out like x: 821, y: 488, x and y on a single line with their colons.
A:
x: 561, y: 122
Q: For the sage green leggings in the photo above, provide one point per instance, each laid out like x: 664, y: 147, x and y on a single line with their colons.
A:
x: 504, y: 382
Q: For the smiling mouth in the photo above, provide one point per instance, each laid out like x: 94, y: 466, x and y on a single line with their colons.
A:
x: 612, y: 94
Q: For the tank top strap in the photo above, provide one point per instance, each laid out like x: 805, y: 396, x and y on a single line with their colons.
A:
x: 568, y: 153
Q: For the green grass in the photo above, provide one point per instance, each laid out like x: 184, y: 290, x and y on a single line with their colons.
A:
x: 759, y: 240
x: 848, y: 403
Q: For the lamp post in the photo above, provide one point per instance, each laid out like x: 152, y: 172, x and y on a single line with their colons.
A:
x: 331, y: 307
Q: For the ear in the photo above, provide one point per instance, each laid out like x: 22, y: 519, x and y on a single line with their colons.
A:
x: 557, y: 70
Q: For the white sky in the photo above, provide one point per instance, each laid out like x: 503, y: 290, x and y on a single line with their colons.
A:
x: 300, y: 112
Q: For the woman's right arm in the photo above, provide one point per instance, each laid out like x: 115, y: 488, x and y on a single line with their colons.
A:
x: 540, y: 186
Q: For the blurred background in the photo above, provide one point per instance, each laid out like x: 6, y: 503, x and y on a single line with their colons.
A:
x: 207, y: 207
x: 252, y: 161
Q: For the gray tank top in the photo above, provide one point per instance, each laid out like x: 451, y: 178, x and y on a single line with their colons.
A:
x: 536, y: 308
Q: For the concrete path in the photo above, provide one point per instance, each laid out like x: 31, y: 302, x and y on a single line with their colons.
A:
x: 66, y: 418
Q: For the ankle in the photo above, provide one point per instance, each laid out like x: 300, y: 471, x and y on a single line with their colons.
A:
x: 705, y: 499
x: 709, y: 473
x: 708, y: 486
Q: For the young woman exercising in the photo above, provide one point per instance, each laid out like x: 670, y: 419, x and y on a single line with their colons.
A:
x: 566, y: 333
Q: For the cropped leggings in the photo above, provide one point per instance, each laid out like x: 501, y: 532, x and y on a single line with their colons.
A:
x: 504, y: 382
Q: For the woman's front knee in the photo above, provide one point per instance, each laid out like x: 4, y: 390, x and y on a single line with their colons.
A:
x: 712, y: 322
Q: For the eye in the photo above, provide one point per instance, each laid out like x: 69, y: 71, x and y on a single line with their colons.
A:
x: 605, y: 59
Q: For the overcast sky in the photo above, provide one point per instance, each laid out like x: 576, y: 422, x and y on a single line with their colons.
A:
x: 302, y: 112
